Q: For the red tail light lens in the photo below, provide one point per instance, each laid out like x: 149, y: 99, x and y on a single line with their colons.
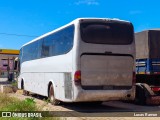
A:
x: 155, y: 89
x: 77, y: 78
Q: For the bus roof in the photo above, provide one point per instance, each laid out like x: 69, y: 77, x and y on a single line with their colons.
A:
x: 9, y: 51
x: 72, y: 22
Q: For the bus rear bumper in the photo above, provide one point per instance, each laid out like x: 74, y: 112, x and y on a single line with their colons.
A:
x: 107, y: 95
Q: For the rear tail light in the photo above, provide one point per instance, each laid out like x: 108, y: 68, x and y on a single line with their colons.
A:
x: 134, y: 78
x: 77, y: 78
x: 155, y: 89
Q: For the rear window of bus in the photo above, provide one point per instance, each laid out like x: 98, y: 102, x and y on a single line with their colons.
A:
x: 114, y: 33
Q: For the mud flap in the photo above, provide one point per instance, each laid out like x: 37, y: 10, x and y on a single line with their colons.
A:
x: 140, y: 98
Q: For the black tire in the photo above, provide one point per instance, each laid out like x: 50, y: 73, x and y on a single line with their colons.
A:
x: 140, y: 96
x: 52, y: 99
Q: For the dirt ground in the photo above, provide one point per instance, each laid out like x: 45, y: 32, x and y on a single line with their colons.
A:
x: 78, y: 115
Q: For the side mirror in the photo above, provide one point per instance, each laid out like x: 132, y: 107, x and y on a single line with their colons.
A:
x: 16, y: 62
x: 15, y: 65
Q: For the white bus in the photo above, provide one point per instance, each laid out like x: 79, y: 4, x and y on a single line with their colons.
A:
x: 87, y: 60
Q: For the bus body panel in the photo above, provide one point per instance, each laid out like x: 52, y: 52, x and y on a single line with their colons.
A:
x: 103, y: 95
x: 36, y: 76
x: 105, y: 92
x: 89, y: 60
x: 106, y: 70
x: 60, y: 70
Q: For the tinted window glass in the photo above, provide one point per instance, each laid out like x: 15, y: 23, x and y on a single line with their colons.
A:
x: 30, y: 51
x: 34, y: 50
x: 20, y: 55
x: 57, y: 43
x: 64, y: 41
x: 115, y: 33
x: 46, y: 47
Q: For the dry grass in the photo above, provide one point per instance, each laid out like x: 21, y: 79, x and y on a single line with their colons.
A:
x: 13, y: 104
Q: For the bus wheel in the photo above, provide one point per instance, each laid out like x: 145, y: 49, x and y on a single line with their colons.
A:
x: 52, y: 98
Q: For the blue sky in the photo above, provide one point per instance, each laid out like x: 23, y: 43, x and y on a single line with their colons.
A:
x: 36, y: 17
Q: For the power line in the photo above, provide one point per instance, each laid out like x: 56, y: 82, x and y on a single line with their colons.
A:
x: 18, y: 35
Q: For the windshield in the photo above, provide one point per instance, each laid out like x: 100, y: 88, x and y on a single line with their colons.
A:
x: 111, y: 32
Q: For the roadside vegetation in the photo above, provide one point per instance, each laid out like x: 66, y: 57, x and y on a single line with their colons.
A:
x: 13, y: 104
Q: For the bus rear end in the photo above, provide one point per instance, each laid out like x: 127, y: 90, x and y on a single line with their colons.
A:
x: 104, y: 67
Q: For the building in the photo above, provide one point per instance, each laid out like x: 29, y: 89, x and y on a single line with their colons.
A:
x: 7, y: 57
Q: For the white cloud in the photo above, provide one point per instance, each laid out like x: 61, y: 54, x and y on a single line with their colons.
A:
x: 87, y: 2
